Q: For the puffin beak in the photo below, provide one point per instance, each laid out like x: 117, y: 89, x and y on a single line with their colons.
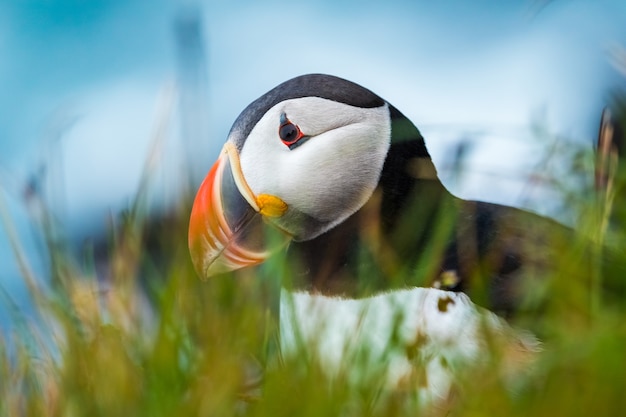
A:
x: 230, y: 227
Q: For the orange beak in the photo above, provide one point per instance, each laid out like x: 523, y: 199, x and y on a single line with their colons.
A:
x: 229, y: 224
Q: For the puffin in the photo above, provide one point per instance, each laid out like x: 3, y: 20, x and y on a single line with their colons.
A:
x: 338, y: 178
x: 339, y: 183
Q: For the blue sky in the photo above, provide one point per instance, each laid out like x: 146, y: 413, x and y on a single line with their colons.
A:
x: 84, y: 83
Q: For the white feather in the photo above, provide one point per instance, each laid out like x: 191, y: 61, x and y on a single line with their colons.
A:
x: 445, y: 328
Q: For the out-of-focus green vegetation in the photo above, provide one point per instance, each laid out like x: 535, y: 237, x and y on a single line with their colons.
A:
x: 153, y: 340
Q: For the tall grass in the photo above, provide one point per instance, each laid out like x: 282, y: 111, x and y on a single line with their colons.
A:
x: 150, y: 339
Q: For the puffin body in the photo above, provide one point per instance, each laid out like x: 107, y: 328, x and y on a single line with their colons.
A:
x: 339, y: 178
x: 340, y: 182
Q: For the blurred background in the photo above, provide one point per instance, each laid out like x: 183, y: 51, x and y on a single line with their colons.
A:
x: 92, y: 91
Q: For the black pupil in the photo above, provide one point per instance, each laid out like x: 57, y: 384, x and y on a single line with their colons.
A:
x: 288, y: 132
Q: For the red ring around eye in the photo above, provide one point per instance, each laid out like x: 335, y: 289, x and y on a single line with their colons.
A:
x: 289, y: 133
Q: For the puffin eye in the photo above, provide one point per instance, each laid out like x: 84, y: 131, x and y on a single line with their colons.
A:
x: 289, y: 133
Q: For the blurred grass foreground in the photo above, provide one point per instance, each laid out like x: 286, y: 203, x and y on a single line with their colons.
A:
x: 151, y: 339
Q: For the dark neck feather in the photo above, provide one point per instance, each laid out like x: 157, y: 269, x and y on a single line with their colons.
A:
x: 408, y: 173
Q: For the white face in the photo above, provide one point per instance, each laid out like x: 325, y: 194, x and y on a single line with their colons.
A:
x: 328, y: 177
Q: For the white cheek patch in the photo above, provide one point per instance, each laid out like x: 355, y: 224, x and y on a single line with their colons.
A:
x: 331, y: 175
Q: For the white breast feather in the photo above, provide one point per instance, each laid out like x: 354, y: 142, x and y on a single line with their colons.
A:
x: 446, y: 328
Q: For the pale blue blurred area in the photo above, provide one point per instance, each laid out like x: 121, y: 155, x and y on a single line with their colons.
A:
x: 84, y: 86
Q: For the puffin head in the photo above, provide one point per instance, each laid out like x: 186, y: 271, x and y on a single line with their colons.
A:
x: 298, y: 161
